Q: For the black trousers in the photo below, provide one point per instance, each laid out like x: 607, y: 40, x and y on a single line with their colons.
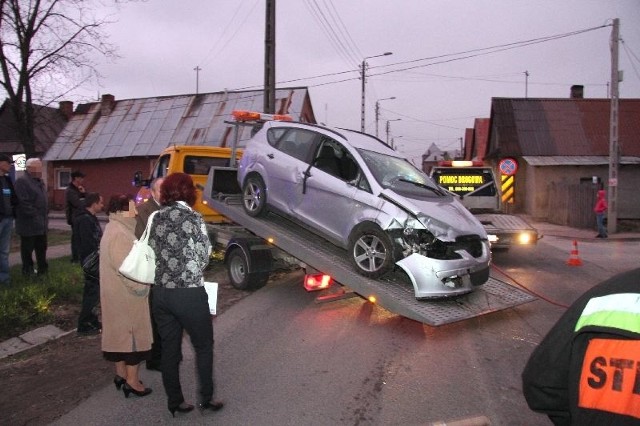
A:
x: 28, y: 245
x: 90, y: 299
x: 176, y: 310
x: 156, y: 346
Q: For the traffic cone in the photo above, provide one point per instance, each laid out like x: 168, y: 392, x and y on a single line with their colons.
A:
x: 574, y: 259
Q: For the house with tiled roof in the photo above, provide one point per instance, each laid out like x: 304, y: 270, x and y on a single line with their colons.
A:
x: 562, y: 150
x: 112, y: 139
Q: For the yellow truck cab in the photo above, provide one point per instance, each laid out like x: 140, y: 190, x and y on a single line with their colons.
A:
x: 194, y: 160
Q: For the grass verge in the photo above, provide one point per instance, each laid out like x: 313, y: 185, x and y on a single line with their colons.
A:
x: 29, y: 302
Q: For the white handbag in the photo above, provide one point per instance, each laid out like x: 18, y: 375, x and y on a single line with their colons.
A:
x: 140, y: 263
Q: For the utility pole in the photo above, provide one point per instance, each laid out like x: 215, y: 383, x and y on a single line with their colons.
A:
x: 363, y: 77
x: 526, y: 84
x: 614, y: 149
x: 197, y: 69
x: 270, y: 58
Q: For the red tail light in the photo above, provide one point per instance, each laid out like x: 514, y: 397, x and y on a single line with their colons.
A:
x: 314, y: 282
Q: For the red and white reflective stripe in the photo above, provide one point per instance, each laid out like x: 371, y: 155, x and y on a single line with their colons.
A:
x: 242, y: 115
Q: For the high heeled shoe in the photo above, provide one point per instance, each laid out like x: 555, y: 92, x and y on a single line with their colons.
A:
x: 127, y: 389
x: 119, y: 381
x: 182, y: 408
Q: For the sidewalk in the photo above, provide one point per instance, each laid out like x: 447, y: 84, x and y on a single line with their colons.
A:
x: 43, y: 334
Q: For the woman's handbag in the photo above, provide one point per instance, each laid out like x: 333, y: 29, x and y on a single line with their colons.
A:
x: 140, y: 263
x: 91, y: 265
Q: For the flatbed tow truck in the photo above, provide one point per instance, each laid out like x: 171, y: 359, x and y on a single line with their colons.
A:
x: 248, y: 257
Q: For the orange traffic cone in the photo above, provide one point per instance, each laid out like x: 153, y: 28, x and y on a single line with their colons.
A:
x: 574, y: 259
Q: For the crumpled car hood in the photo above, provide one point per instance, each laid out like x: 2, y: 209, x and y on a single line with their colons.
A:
x: 446, y: 218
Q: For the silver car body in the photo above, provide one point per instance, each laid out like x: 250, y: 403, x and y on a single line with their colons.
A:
x: 387, y: 191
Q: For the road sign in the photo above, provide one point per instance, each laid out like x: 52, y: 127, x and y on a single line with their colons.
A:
x: 508, y: 166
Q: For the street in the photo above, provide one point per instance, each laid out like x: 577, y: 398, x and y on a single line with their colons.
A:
x: 283, y: 359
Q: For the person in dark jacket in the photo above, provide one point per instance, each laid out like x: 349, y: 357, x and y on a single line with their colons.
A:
x: 144, y: 211
x: 90, y: 234
x: 7, y: 213
x: 586, y: 371
x: 75, y: 203
x: 32, y: 219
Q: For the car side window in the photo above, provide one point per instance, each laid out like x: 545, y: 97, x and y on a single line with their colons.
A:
x: 294, y: 142
x: 333, y: 158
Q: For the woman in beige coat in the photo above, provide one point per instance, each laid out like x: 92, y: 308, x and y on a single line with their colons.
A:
x: 126, y: 323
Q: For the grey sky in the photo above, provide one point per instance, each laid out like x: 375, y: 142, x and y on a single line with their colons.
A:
x: 162, y: 41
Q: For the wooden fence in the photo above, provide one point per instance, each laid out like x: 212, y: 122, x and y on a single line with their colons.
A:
x: 572, y: 204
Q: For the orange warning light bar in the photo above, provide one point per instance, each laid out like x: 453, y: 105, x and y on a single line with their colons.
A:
x: 243, y: 115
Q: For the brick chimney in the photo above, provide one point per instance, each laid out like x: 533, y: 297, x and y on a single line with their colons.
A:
x: 66, y: 108
x: 577, y: 91
x: 107, y: 104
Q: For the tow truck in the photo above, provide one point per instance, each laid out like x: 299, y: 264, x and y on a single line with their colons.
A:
x: 251, y: 251
x: 475, y: 184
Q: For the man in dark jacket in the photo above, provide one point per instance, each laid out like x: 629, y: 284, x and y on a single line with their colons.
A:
x: 32, y: 217
x: 90, y: 233
x: 586, y: 371
x: 144, y: 211
x: 7, y: 212
x: 75, y: 203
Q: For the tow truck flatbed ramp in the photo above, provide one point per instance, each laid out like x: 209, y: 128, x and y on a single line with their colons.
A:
x: 393, y: 294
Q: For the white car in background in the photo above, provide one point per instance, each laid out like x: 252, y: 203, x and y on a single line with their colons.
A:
x: 363, y: 196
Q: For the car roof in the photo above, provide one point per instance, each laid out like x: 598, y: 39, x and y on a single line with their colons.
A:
x: 353, y: 138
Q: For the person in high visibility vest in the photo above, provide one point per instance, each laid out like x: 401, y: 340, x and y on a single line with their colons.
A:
x: 586, y: 371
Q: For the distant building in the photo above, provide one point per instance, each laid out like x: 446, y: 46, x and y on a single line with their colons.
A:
x: 49, y: 122
x: 562, y: 150
x: 112, y: 139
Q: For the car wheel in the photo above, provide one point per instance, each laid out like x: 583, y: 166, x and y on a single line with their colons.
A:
x: 254, y: 196
x: 371, y: 251
x: 238, y: 271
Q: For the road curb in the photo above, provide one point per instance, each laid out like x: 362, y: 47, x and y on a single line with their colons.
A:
x: 31, y: 339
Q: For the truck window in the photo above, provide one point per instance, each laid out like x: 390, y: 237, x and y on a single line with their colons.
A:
x: 463, y: 181
x: 194, y: 165
x: 162, y: 167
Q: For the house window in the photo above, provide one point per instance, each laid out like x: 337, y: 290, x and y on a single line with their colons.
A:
x: 63, y: 178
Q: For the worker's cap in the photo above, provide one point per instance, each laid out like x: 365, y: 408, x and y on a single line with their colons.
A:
x: 77, y: 174
x: 8, y: 159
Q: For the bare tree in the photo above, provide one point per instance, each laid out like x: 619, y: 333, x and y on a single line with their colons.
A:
x: 47, y: 48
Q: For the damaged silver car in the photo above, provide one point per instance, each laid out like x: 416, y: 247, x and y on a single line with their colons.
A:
x: 363, y: 196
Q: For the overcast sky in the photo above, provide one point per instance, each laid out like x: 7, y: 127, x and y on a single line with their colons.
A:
x: 438, y: 93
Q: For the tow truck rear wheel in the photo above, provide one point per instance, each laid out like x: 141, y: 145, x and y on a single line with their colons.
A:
x: 254, y: 196
x: 238, y: 271
x: 371, y: 251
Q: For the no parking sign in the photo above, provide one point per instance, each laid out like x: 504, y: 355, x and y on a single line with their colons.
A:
x: 508, y: 166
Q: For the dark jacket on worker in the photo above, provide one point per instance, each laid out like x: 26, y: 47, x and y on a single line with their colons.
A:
x: 586, y: 371
x: 90, y: 233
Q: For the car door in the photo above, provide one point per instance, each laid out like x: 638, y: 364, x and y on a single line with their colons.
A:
x: 329, y: 193
x: 286, y: 164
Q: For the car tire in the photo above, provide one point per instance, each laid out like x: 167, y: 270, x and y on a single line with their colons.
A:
x: 238, y: 271
x: 254, y: 196
x: 371, y: 251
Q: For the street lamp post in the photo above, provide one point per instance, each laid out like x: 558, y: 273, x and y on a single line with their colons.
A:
x: 388, y: 127
x: 378, y: 111
x: 363, y: 69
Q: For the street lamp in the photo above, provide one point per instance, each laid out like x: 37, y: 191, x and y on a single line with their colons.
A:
x: 389, y: 121
x: 363, y: 78
x: 378, y: 111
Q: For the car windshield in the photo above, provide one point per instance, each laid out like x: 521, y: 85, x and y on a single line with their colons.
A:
x: 400, y: 175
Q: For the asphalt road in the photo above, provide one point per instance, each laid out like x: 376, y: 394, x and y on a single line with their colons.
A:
x: 283, y: 359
